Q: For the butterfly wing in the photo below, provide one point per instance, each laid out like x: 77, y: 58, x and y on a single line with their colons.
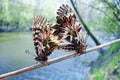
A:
x: 68, y: 27
x: 44, y: 42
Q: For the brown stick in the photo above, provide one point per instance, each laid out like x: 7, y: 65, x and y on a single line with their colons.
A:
x: 55, y: 60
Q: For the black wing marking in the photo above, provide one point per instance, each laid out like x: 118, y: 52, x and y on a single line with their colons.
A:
x: 44, y: 41
x: 69, y: 28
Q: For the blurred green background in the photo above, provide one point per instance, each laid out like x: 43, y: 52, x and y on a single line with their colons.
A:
x: 99, y: 18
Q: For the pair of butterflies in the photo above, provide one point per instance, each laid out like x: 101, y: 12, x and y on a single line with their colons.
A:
x: 48, y: 37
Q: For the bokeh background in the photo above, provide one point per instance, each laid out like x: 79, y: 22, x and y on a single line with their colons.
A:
x: 100, y: 20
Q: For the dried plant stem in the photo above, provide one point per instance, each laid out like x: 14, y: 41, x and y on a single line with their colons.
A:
x: 55, y: 60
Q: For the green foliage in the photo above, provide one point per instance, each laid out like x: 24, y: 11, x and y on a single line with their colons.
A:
x: 119, y: 76
x: 109, y: 61
x: 16, y: 14
x: 111, y: 21
x: 106, y: 18
x: 97, y: 75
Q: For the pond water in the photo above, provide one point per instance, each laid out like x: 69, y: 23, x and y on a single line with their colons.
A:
x: 13, y: 57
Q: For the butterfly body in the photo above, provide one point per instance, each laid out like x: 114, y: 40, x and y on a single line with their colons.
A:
x: 67, y: 47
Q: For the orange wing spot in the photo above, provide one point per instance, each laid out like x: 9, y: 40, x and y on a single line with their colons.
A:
x: 34, y: 29
x: 36, y: 38
x: 73, y: 16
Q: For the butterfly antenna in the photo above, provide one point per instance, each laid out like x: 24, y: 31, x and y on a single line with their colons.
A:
x: 28, y: 52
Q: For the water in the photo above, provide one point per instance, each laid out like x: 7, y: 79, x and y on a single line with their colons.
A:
x: 13, y: 57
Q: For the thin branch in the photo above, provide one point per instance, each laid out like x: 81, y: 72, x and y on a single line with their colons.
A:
x: 102, y: 12
x: 112, y: 5
x: 55, y: 60
x: 106, y: 15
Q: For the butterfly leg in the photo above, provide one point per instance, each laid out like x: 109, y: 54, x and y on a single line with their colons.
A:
x: 41, y: 62
x: 44, y: 62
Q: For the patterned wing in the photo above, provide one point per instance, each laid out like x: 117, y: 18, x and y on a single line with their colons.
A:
x: 44, y: 42
x: 69, y: 28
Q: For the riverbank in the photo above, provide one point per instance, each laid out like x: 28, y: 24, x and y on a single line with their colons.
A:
x: 15, y: 29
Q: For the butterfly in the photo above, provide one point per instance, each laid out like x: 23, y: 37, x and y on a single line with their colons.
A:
x: 48, y: 37
x: 68, y: 28
x: 44, y: 42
